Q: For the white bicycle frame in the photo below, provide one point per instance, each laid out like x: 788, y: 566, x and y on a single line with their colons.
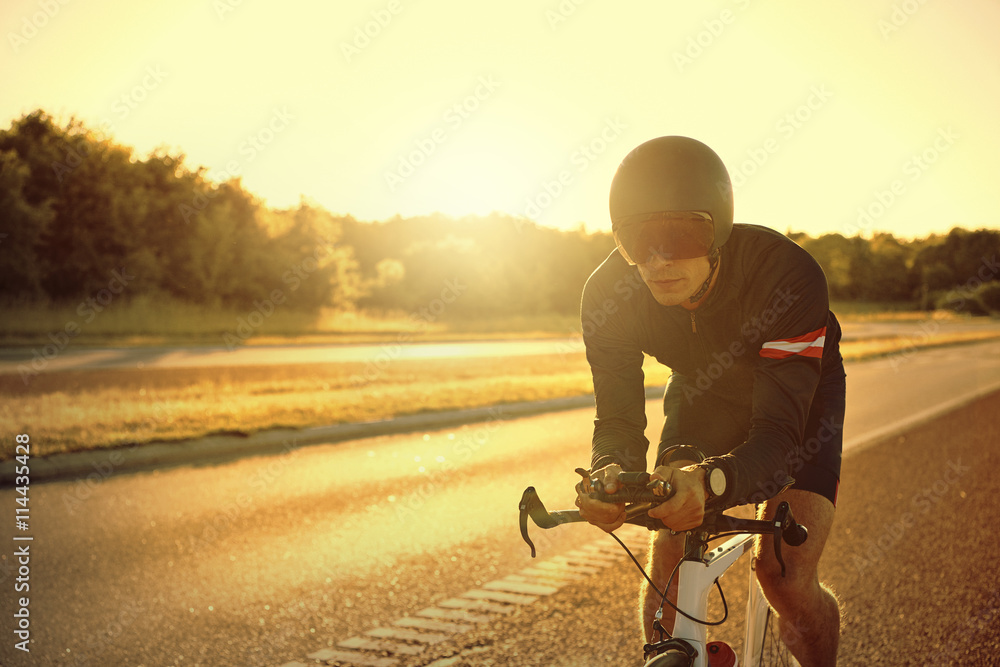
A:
x: 696, y: 574
x: 696, y: 578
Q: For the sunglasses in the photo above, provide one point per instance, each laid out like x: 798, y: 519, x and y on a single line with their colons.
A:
x: 669, y: 235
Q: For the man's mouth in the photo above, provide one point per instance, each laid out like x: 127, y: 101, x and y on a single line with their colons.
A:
x: 668, y: 282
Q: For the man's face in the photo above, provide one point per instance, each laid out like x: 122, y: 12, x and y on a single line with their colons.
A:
x: 673, y: 281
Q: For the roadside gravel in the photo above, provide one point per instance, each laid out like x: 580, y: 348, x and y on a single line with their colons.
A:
x: 912, y: 558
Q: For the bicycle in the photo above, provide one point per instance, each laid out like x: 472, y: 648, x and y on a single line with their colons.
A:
x: 697, y: 572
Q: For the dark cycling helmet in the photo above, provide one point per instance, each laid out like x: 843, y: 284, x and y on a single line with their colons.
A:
x: 671, y: 175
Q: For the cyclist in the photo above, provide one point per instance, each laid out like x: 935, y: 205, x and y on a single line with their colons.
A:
x: 740, y: 314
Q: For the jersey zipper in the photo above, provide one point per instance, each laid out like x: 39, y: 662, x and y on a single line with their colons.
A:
x: 694, y: 326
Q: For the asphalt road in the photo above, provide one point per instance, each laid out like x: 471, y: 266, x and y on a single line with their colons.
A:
x: 268, y: 560
x: 51, y: 357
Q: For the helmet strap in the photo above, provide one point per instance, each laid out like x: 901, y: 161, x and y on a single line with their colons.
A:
x: 713, y: 264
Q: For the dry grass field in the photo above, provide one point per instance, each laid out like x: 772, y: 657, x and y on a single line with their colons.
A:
x: 74, y: 410
x: 79, y: 410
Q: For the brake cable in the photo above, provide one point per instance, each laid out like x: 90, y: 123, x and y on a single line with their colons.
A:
x: 663, y: 594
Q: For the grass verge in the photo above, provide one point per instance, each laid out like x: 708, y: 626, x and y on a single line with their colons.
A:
x: 148, y: 321
x: 82, y: 410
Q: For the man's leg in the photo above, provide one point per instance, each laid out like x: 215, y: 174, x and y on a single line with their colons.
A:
x: 664, y: 552
x: 808, y: 612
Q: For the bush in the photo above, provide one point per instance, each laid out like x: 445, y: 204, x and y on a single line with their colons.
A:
x: 958, y: 300
x: 988, y: 296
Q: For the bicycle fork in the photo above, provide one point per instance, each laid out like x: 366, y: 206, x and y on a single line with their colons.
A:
x: 696, y: 577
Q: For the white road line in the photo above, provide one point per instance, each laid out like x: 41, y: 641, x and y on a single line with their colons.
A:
x: 578, y: 563
x: 858, y: 443
x: 375, y: 645
x: 498, y: 596
x: 453, y: 615
x: 520, y: 587
x: 476, y: 605
x: 430, y: 624
x: 608, y: 556
x: 563, y: 566
x: 586, y: 562
x: 494, y: 597
x: 407, y: 635
x: 352, y: 657
x: 551, y: 575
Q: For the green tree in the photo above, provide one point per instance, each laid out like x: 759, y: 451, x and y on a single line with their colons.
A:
x: 890, y: 272
x: 21, y: 225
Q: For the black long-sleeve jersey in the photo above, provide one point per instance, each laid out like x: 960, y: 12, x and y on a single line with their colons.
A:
x: 746, y: 363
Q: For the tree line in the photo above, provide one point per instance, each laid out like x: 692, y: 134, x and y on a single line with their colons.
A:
x: 76, y: 207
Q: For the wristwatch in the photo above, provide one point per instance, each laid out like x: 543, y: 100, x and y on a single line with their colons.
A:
x: 716, y: 483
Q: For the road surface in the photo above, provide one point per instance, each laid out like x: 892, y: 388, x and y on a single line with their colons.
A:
x: 269, y: 560
x: 69, y: 357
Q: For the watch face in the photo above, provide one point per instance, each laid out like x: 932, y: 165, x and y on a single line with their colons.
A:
x: 717, y: 481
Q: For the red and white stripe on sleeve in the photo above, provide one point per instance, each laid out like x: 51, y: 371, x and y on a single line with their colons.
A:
x: 806, y: 345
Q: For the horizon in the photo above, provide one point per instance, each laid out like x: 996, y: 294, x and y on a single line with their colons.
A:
x: 858, y: 231
x: 378, y: 110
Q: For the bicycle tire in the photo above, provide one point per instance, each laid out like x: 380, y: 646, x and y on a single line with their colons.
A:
x: 670, y: 659
x: 775, y: 653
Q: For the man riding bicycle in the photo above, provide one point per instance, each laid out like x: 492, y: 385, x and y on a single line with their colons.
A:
x: 740, y: 314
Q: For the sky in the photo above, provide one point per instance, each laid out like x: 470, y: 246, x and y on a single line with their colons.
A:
x: 859, y: 116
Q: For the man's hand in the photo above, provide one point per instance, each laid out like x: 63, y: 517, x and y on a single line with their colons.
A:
x: 606, y: 516
x: 686, y: 510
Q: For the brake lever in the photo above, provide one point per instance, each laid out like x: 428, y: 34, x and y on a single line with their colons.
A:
x: 532, y: 506
x: 523, y: 520
x: 783, y: 521
x: 779, y: 528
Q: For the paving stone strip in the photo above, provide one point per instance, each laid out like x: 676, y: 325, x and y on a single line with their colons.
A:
x: 412, y: 635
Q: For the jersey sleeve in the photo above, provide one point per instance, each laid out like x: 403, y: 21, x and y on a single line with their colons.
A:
x: 616, y: 365
x: 788, y: 333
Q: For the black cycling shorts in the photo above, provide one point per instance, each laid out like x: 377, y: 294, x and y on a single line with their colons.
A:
x: 815, y: 462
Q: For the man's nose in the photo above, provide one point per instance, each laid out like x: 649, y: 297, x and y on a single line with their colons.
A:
x: 658, y: 260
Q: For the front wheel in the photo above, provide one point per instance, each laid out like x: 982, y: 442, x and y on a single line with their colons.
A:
x: 670, y: 659
x: 773, y: 651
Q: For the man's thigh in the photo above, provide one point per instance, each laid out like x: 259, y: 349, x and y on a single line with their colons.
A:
x: 813, y: 511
